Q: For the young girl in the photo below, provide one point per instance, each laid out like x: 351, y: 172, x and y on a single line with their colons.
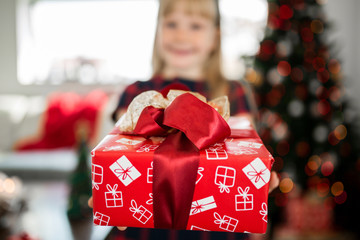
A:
x: 187, y: 51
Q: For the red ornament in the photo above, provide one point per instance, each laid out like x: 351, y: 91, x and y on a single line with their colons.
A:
x: 318, y: 64
x: 284, y: 68
x: 323, y: 76
x: 297, y: 75
x: 285, y: 12
x: 323, y: 107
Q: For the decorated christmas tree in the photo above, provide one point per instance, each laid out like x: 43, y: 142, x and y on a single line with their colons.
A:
x: 80, y: 180
x: 305, y: 117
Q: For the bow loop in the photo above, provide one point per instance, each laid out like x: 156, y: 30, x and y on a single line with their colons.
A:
x: 244, y: 193
x: 112, y: 190
x: 134, y: 208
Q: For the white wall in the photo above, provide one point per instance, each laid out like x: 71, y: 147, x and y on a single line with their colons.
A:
x: 7, y: 45
x: 345, y: 34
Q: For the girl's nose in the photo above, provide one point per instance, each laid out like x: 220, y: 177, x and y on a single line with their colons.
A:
x: 181, y: 34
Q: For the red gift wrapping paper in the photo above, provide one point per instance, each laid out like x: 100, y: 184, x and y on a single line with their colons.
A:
x: 231, y: 188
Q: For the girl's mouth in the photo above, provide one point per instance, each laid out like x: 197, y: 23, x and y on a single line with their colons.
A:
x: 181, y: 52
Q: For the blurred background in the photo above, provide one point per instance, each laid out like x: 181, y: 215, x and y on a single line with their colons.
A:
x: 64, y: 64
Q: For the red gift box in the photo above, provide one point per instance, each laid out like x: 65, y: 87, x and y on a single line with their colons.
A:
x: 231, y: 186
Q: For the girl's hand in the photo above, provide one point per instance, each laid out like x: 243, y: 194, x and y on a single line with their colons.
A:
x: 90, y: 203
x: 274, y: 181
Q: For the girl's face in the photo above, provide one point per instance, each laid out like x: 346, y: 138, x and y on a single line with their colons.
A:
x: 185, y: 42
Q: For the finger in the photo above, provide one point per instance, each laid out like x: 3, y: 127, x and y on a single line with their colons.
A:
x: 274, y: 181
x: 122, y: 228
x: 90, y: 202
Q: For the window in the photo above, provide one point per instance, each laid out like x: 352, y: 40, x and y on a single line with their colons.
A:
x: 110, y: 41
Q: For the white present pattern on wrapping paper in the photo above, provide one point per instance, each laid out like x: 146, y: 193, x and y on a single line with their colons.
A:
x: 129, y: 141
x: 202, y: 205
x: 115, y: 148
x: 241, y: 151
x: 216, y: 152
x: 150, y: 201
x: 149, y: 177
x: 225, y: 178
x: 257, y: 172
x: 226, y: 223
x: 249, y: 144
x: 195, y: 228
x: 96, y: 176
x: 101, y: 219
x: 140, y: 213
x: 147, y: 148
x: 124, y: 170
x: 263, y: 211
x: 244, y: 201
x: 113, y: 198
x: 199, y: 174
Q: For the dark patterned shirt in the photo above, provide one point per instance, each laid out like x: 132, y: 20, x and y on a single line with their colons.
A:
x: 238, y: 104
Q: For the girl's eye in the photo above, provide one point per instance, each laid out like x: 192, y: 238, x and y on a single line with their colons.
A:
x: 170, y: 24
x: 196, y: 26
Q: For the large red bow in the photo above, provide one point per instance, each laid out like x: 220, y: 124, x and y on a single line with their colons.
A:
x: 191, y: 125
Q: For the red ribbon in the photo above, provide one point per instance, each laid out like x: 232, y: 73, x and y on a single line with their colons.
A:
x: 176, y: 160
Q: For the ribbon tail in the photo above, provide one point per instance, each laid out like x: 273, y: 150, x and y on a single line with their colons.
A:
x: 176, y: 164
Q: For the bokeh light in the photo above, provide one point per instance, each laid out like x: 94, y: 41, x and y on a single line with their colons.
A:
x: 285, y: 12
x: 337, y: 189
x: 314, y: 163
x: 323, y: 76
x: 318, y: 64
x: 317, y: 26
x: 334, y: 94
x: 327, y: 168
x: 340, y: 132
x: 9, y: 185
x: 297, y: 75
x: 309, y: 171
x: 286, y: 185
x: 323, y: 188
x: 333, y: 140
x: 253, y: 77
x: 284, y: 68
x: 323, y: 107
x: 334, y: 66
x: 341, y: 198
x: 268, y: 47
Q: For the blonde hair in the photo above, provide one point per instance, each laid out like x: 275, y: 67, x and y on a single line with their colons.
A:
x: 212, y: 68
